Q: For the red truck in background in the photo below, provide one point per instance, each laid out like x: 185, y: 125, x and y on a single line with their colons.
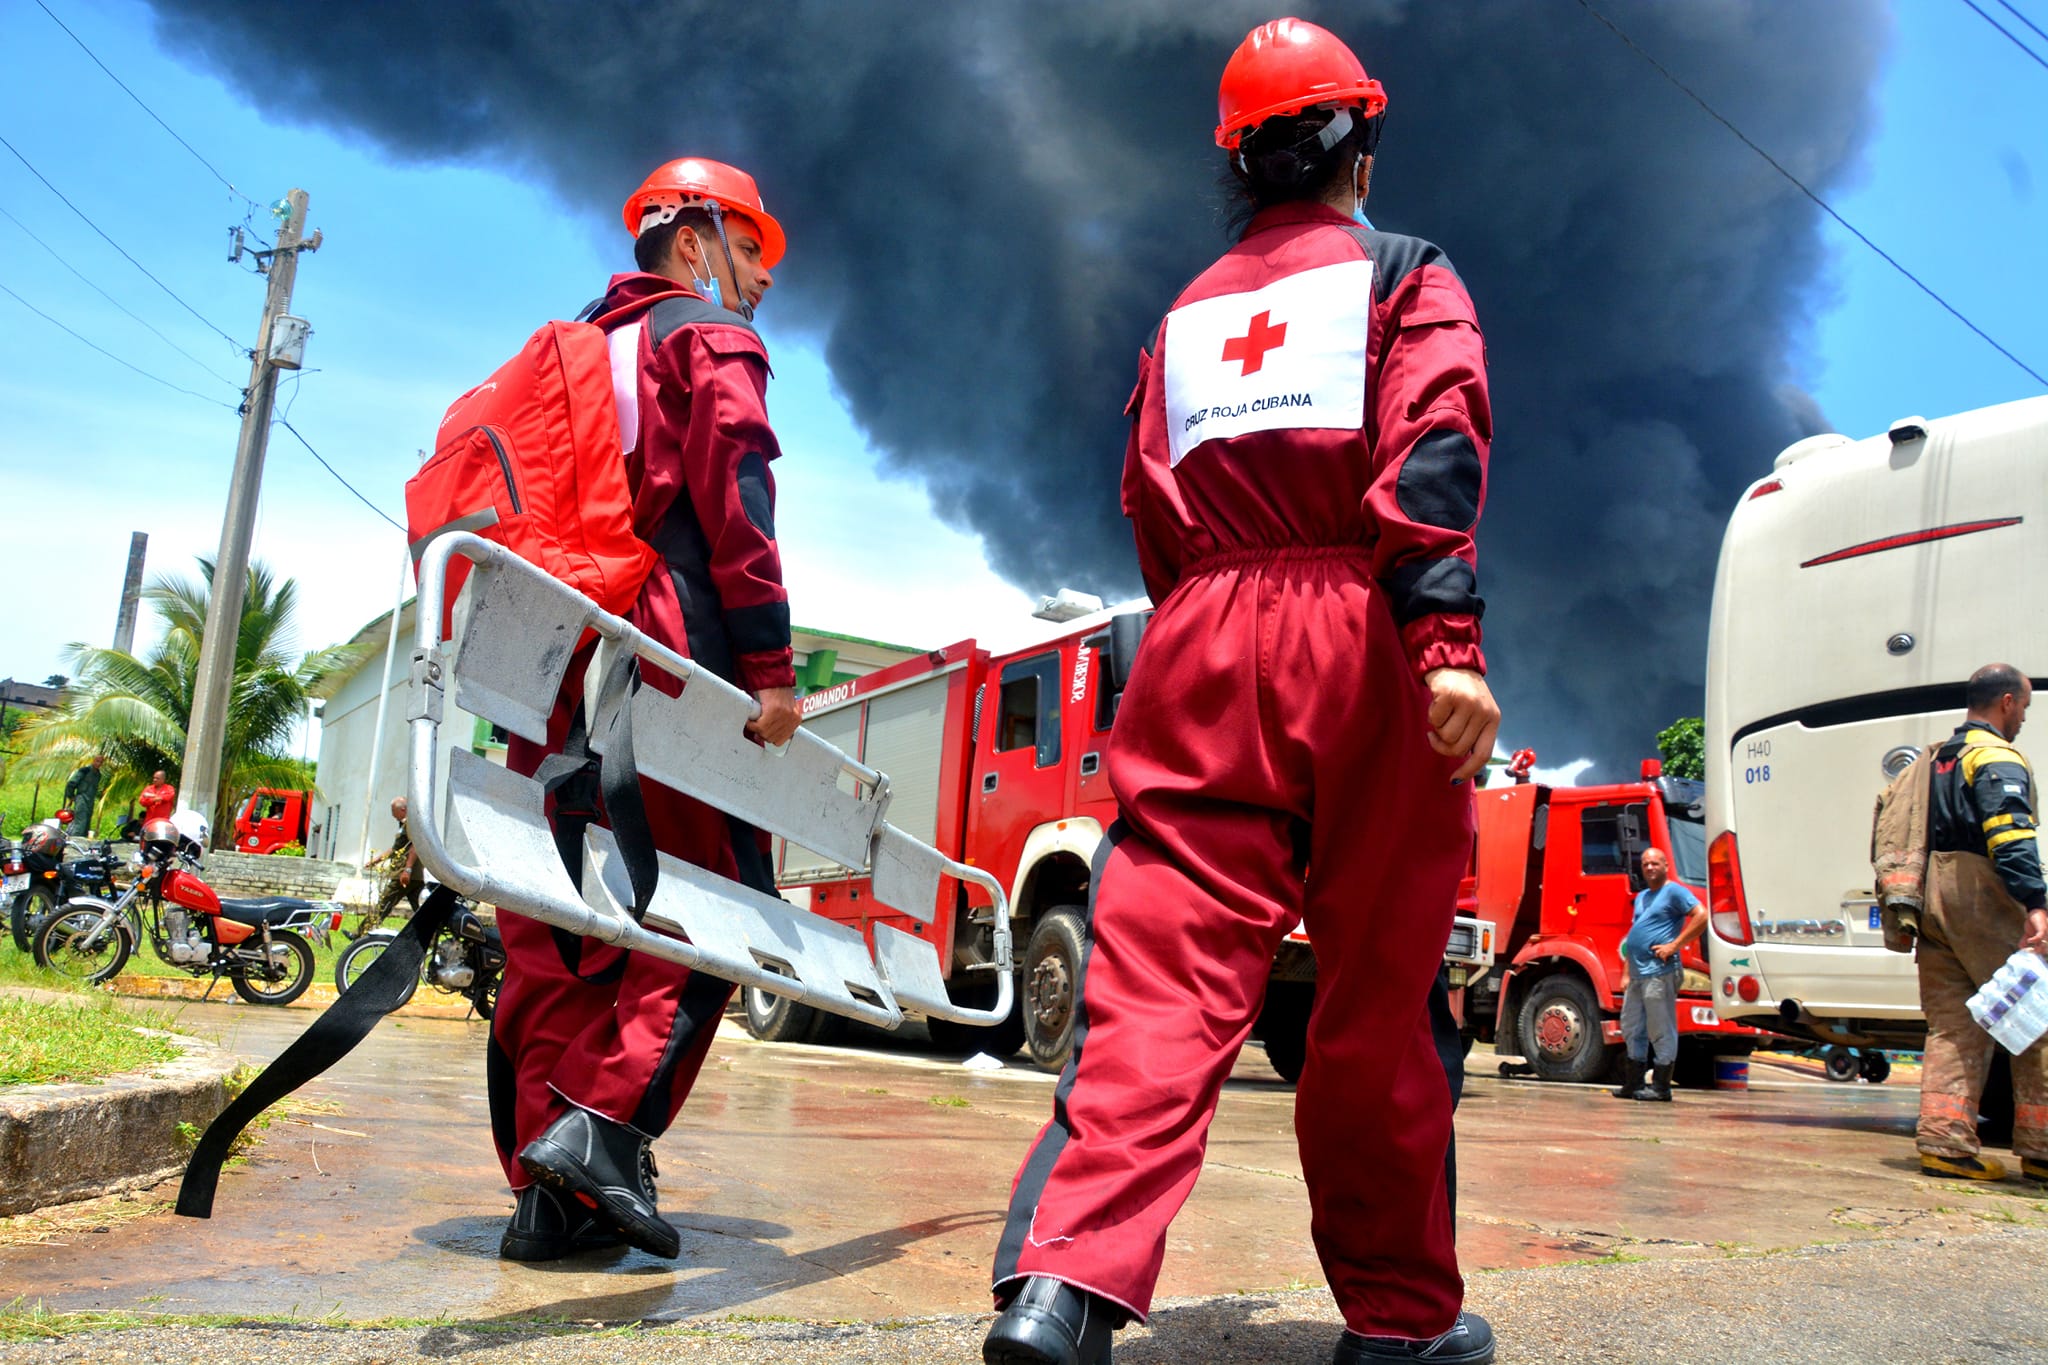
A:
x: 999, y: 760
x: 1557, y: 870
x: 272, y: 817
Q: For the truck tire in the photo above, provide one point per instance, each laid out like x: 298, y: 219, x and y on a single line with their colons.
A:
x: 1052, y: 986
x: 1841, y: 1064
x: 1876, y: 1066
x: 778, y: 1019
x: 997, y: 1040
x: 1283, y: 1026
x: 1561, y: 1033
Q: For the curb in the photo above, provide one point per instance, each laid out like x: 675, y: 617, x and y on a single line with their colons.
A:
x: 80, y: 1140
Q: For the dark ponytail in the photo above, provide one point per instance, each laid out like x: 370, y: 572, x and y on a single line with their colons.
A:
x: 1295, y: 159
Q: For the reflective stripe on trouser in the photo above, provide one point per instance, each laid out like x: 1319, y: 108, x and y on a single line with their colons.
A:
x: 1255, y: 791
x: 1649, y: 1018
x: 580, y: 1021
x: 1970, y: 926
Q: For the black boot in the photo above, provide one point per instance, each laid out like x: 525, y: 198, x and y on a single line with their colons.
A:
x: 603, y: 1166
x: 1052, y: 1323
x: 1469, y: 1342
x: 1657, y: 1086
x: 1631, y: 1078
x: 544, y: 1229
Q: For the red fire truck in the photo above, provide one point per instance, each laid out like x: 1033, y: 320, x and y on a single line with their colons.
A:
x: 999, y: 760
x: 1556, y: 868
x: 271, y: 818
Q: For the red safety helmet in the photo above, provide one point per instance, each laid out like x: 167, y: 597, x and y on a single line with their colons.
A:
x: 693, y: 182
x: 1284, y: 67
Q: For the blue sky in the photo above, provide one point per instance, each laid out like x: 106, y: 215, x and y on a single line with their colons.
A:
x: 432, y: 273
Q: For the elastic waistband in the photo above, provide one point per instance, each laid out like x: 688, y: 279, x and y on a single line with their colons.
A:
x: 1275, y: 554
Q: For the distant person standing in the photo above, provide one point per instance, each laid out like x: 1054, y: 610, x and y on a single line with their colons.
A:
x: 403, y: 881
x: 1667, y: 917
x: 159, y: 798
x: 82, y: 792
x: 1985, y: 896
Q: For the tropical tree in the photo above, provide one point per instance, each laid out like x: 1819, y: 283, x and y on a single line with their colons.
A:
x: 1684, y: 746
x: 134, y: 710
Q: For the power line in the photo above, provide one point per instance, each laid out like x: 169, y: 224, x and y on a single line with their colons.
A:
x: 118, y: 247
x: 2025, y: 20
x: 2010, y: 36
x: 1800, y: 185
x: 116, y: 302
x: 139, y: 100
x: 111, y: 356
x: 337, y: 474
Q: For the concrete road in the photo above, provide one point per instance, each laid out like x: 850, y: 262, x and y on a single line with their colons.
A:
x: 863, y: 1186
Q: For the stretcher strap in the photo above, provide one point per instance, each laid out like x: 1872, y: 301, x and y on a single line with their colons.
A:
x: 381, y: 989
x: 568, y: 774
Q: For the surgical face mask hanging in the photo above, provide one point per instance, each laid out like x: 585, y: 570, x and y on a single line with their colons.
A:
x: 709, y: 288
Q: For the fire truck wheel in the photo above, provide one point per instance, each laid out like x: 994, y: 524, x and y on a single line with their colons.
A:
x: 775, y: 1019
x: 1876, y: 1066
x: 1283, y: 1026
x: 1560, y: 1030
x: 1052, y: 979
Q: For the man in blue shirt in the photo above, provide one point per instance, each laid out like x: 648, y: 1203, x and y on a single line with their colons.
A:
x: 1666, y: 919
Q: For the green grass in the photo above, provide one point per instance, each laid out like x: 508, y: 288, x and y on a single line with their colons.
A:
x: 83, y: 1040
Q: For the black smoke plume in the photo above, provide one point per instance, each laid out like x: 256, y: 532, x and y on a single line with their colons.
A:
x: 991, y: 203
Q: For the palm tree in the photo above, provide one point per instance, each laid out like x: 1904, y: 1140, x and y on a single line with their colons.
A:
x: 135, y: 710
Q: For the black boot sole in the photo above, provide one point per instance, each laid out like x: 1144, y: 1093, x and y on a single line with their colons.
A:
x: 556, y: 1168
x: 516, y: 1246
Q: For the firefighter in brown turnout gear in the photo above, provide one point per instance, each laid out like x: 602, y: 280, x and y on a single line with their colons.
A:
x: 1984, y: 896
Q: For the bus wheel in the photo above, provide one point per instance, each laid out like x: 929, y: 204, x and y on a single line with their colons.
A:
x: 1052, y: 987
x: 1560, y: 1031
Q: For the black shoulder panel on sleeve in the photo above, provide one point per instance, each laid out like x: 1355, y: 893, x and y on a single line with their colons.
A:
x: 670, y: 315
x: 1440, y: 481
x: 1395, y: 258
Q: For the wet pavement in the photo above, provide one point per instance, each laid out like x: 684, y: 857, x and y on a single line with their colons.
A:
x: 867, y: 1184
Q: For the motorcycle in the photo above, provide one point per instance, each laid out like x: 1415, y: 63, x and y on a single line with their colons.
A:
x: 260, y: 944
x: 467, y: 958
x: 38, y: 879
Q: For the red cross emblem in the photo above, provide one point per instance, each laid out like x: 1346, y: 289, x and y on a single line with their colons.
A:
x: 1258, y: 339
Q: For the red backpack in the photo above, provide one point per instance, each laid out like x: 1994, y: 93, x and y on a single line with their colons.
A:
x: 531, y: 459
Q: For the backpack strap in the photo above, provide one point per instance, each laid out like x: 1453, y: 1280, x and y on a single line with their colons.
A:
x: 569, y: 773
x: 627, y: 310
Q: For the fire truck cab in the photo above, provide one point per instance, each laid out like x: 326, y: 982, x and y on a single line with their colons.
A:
x: 1557, y: 869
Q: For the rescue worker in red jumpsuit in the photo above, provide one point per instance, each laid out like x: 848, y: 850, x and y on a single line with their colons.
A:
x: 1304, y: 475
x: 594, y: 1048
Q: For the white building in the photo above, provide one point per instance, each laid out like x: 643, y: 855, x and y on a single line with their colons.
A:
x: 349, y: 742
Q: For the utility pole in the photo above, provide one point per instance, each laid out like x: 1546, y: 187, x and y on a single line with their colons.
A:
x: 131, y: 593
x: 199, y: 782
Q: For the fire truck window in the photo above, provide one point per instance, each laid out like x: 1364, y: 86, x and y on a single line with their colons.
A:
x: 1601, y: 851
x: 1017, y: 721
x: 1028, y: 708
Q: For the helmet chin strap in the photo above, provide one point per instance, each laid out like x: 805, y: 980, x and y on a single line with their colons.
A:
x: 746, y: 309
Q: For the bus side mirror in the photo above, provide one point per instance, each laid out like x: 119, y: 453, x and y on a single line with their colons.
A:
x: 1126, y: 632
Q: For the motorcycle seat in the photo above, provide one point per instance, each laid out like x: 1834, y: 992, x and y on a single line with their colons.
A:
x: 263, y: 909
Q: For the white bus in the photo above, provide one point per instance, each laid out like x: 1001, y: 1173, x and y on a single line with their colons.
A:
x: 1860, y: 584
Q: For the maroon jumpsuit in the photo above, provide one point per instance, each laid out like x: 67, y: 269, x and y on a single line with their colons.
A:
x: 580, y: 1021
x: 1305, y: 471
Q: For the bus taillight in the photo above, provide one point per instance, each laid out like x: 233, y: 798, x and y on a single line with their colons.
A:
x: 1730, y: 909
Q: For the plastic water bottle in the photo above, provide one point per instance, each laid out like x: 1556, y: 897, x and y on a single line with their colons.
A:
x: 2013, y: 1005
